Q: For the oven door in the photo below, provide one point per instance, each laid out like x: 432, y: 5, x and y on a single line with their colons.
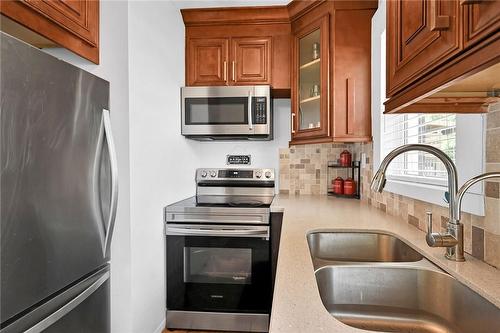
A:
x: 218, y: 268
x: 229, y: 111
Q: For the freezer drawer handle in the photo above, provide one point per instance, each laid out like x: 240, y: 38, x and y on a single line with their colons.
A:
x: 114, y: 180
x: 66, y: 308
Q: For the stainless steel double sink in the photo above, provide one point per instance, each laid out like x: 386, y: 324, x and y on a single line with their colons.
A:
x: 375, y: 281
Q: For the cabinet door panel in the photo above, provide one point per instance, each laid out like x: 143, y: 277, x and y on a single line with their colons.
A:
x: 310, y: 80
x: 73, y: 24
x: 75, y: 16
x: 251, y: 60
x: 351, y: 73
x: 206, y: 61
x: 421, y: 34
x: 480, y: 20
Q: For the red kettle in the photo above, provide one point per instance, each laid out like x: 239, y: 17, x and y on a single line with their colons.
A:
x: 345, y: 158
x: 338, y: 185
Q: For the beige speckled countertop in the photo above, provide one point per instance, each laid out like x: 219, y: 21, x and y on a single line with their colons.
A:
x: 297, y: 305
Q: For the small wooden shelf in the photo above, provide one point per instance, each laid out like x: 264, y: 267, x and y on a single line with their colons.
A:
x: 310, y: 99
x: 310, y: 63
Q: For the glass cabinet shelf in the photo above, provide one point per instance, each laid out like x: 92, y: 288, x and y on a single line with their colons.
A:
x: 310, y: 99
x: 310, y: 64
x: 309, y: 84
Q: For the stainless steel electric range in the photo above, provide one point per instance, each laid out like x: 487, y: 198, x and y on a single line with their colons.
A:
x: 218, y: 252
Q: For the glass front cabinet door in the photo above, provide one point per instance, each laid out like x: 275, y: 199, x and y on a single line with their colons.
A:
x: 310, y: 88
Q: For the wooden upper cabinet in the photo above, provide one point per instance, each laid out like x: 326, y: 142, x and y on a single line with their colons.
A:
x: 257, y: 40
x: 481, y: 18
x: 352, y: 76
x: 207, y: 61
x: 251, y: 60
x: 210, y: 62
x: 310, y: 79
x: 432, y: 45
x: 73, y: 24
x: 421, y: 34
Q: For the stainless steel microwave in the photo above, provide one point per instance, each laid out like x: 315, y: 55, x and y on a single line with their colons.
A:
x: 236, y: 112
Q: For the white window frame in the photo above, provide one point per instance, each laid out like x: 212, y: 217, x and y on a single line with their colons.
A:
x: 470, y: 134
x: 412, y: 179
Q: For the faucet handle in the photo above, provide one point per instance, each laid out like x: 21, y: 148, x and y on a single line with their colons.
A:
x: 429, y: 222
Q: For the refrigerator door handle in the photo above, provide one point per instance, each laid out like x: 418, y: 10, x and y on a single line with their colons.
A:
x: 66, y: 308
x: 114, y: 180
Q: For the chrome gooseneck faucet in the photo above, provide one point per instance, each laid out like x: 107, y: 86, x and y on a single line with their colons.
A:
x: 453, y: 239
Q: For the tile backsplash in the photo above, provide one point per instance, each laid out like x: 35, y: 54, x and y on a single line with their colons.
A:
x: 303, y: 170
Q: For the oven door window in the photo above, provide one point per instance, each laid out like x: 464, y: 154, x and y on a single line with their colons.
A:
x: 216, y: 111
x: 225, y: 274
x: 217, y: 265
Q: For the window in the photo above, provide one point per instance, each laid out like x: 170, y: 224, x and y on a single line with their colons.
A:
x: 438, y: 130
x: 420, y: 175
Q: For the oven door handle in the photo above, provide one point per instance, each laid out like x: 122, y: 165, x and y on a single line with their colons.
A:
x: 261, y: 232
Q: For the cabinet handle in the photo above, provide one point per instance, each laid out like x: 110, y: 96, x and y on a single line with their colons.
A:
x: 234, y: 68
x: 225, y: 70
x: 350, y: 105
x: 293, y: 122
x: 438, y: 22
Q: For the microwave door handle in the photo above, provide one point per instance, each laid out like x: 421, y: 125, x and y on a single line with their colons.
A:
x: 250, y: 124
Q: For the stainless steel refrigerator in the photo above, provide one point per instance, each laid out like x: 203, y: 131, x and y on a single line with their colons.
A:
x: 58, y: 194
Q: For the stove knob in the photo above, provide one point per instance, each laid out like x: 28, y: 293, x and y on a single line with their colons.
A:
x: 258, y: 174
x: 203, y: 173
x: 212, y: 173
x: 268, y: 174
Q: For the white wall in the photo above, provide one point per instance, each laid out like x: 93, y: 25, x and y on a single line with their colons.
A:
x: 378, y: 76
x: 264, y: 153
x: 113, y: 67
x: 162, y: 162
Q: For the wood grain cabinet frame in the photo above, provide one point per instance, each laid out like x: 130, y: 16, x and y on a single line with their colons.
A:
x: 251, y: 61
x: 422, y: 34
x: 208, y: 61
x: 351, y: 98
x: 72, y: 24
x: 347, y: 72
x: 481, y: 18
x: 432, y: 44
x: 258, y: 47
x: 300, y: 29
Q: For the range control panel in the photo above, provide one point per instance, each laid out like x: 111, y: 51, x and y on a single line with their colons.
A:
x: 259, y: 110
x: 234, y: 174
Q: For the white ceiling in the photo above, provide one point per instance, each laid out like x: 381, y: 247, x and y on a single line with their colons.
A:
x: 226, y: 3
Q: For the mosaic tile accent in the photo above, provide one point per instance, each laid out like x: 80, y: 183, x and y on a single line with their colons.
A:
x: 303, y: 169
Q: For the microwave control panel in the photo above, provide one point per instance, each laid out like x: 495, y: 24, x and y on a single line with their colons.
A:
x: 259, y: 111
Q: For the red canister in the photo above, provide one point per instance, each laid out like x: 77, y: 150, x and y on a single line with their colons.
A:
x: 338, y: 185
x: 349, y: 186
x: 345, y: 158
